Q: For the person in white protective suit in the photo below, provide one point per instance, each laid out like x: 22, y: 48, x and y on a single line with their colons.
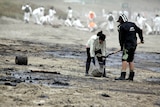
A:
x: 77, y: 23
x: 37, y: 14
x: 68, y: 22
x: 148, y: 29
x: 104, y: 13
x: 69, y: 13
x: 110, y: 22
x: 27, y: 12
x: 44, y: 20
x: 140, y: 21
x: 51, y: 14
x: 156, y: 23
x: 48, y: 19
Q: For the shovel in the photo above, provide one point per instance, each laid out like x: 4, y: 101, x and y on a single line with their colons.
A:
x: 112, y: 53
x: 117, y: 51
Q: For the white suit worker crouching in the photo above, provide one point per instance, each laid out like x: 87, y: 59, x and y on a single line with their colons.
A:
x: 37, y: 14
x: 27, y: 12
x: 77, y: 23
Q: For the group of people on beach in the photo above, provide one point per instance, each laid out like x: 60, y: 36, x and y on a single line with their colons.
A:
x: 39, y: 15
x: 148, y: 25
x: 96, y: 45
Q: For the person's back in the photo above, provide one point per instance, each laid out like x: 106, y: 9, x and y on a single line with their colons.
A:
x: 128, y: 34
x: 27, y: 8
x: 96, y: 47
x: 91, y: 39
x: 128, y: 43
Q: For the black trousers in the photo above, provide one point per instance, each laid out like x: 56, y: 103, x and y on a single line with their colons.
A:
x: 89, y: 57
x: 100, y: 60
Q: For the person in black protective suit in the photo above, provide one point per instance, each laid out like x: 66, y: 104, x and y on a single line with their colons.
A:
x: 128, y: 43
x: 96, y: 46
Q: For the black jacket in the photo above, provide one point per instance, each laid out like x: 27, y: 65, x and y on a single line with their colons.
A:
x: 127, y: 35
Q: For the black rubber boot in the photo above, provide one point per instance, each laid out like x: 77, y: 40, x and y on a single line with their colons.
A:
x: 87, y: 69
x: 104, y: 73
x: 122, y: 77
x: 131, y: 76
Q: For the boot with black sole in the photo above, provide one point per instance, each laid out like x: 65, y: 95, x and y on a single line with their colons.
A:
x: 131, y: 76
x: 104, y: 73
x: 87, y: 69
x: 122, y: 77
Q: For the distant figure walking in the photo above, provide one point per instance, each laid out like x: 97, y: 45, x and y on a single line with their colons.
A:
x: 110, y: 22
x: 27, y: 12
x: 156, y: 23
x: 69, y: 13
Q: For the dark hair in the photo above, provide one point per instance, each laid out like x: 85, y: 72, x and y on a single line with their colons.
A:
x: 51, y: 7
x: 102, y: 37
x: 69, y: 7
x: 99, y: 33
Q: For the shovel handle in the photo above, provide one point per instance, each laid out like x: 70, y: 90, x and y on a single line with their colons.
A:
x: 113, y: 53
x: 118, y: 51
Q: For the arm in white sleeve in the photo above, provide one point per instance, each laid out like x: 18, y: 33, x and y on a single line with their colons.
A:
x: 92, y: 48
x: 104, y: 49
x: 30, y: 10
x: 23, y: 7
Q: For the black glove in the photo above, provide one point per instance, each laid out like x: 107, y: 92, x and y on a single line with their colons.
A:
x: 104, y: 60
x: 121, y: 48
x: 142, y: 42
x: 93, y: 60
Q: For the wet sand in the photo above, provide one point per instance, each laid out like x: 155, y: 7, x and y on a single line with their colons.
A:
x: 54, y: 76
x: 63, y: 83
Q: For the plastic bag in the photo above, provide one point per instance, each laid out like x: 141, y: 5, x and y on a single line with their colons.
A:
x: 97, y: 69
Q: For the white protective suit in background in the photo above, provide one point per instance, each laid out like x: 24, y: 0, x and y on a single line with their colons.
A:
x: 148, y: 29
x: 156, y: 23
x: 27, y: 12
x: 110, y: 22
x: 51, y: 14
x: 77, y: 23
x: 69, y: 13
x: 37, y: 14
x: 68, y: 22
x: 140, y: 21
